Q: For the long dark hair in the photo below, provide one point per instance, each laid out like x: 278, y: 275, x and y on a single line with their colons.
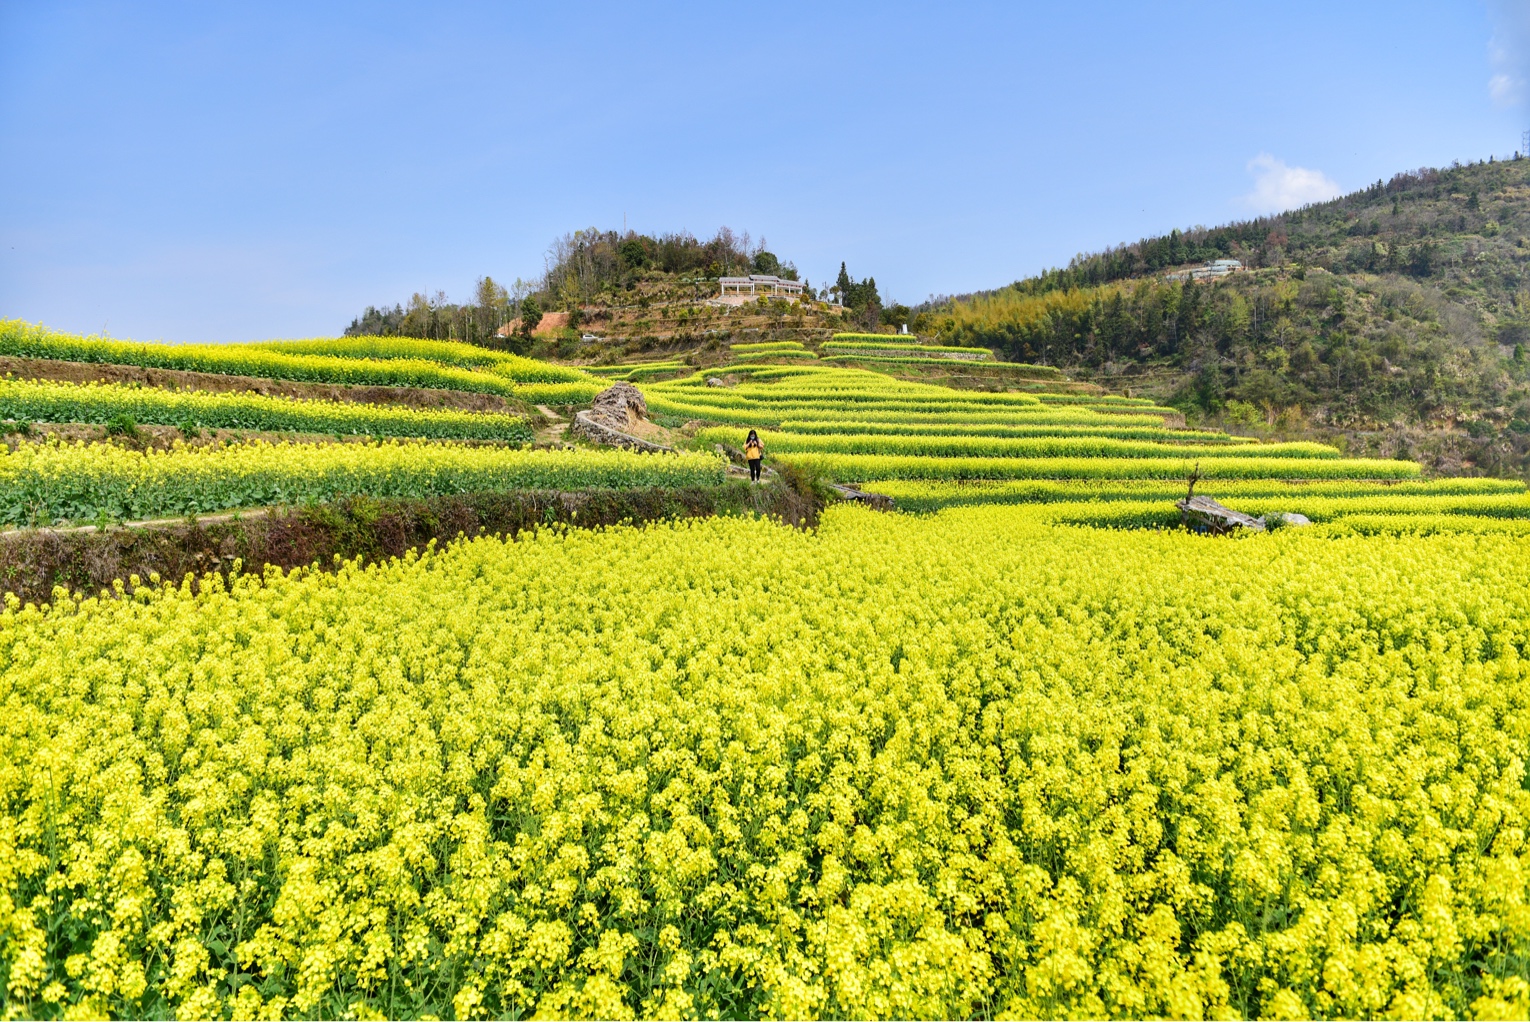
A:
x: 752, y: 436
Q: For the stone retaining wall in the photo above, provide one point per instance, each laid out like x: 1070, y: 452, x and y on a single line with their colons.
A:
x: 587, y: 426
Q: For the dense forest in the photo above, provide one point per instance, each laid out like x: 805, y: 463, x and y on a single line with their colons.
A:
x: 1403, y: 305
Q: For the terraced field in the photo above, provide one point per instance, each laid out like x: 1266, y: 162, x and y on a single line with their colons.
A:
x: 1085, y: 458
x: 39, y: 401
x: 635, y: 371
x: 925, y: 446
x: 385, y: 361
x: 771, y: 349
x: 106, y: 480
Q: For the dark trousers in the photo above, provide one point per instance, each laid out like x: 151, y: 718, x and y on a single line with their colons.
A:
x: 754, y: 469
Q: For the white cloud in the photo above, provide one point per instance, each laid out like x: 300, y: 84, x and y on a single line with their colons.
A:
x: 1509, y: 51
x: 1505, y: 89
x: 1278, y: 187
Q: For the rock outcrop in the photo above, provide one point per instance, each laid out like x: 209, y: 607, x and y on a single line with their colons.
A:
x: 611, y: 417
x: 1205, y: 515
x: 619, y: 406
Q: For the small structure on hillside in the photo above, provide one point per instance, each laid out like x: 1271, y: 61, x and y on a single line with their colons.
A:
x: 1213, y: 269
x: 737, y: 290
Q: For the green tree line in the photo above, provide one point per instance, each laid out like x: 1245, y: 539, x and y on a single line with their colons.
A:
x: 479, y: 321
x: 582, y: 267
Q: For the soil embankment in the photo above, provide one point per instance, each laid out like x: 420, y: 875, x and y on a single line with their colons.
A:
x: 88, y: 559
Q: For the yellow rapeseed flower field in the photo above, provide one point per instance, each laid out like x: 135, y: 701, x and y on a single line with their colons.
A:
x: 964, y: 764
x: 377, y: 361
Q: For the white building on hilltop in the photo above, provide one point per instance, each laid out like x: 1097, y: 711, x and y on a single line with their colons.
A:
x: 1214, y: 268
x: 737, y: 290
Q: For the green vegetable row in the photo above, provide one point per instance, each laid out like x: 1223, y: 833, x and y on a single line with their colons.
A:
x: 1032, y: 371
x: 452, y: 353
x: 622, y: 370
x: 1440, y: 514
x: 1017, y: 447
x: 1095, y: 399
x: 747, y: 414
x: 868, y: 467
x: 53, y: 482
x: 767, y: 346
x: 1280, y: 495
x: 784, y: 394
x: 1009, y: 429
x: 851, y: 342
x: 38, y: 401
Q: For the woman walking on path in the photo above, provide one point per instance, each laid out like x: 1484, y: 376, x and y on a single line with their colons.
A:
x: 754, y: 452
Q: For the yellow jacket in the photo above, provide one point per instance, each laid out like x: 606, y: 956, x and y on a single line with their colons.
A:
x: 754, y: 451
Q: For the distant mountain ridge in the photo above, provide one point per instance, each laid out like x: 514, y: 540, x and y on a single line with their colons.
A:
x: 1410, y: 216
x: 1401, y: 310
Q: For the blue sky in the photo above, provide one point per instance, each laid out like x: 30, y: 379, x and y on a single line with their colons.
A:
x: 227, y: 172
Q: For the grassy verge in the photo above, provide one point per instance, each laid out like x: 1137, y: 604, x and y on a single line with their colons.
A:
x: 33, y: 562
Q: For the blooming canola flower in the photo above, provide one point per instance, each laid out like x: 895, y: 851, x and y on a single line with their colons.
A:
x: 969, y: 763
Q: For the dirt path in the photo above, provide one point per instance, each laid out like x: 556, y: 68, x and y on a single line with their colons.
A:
x: 239, y: 514
x: 558, y: 425
x: 739, y: 472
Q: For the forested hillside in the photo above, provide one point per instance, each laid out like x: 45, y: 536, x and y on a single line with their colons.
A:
x: 588, y: 273
x: 1393, y: 319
